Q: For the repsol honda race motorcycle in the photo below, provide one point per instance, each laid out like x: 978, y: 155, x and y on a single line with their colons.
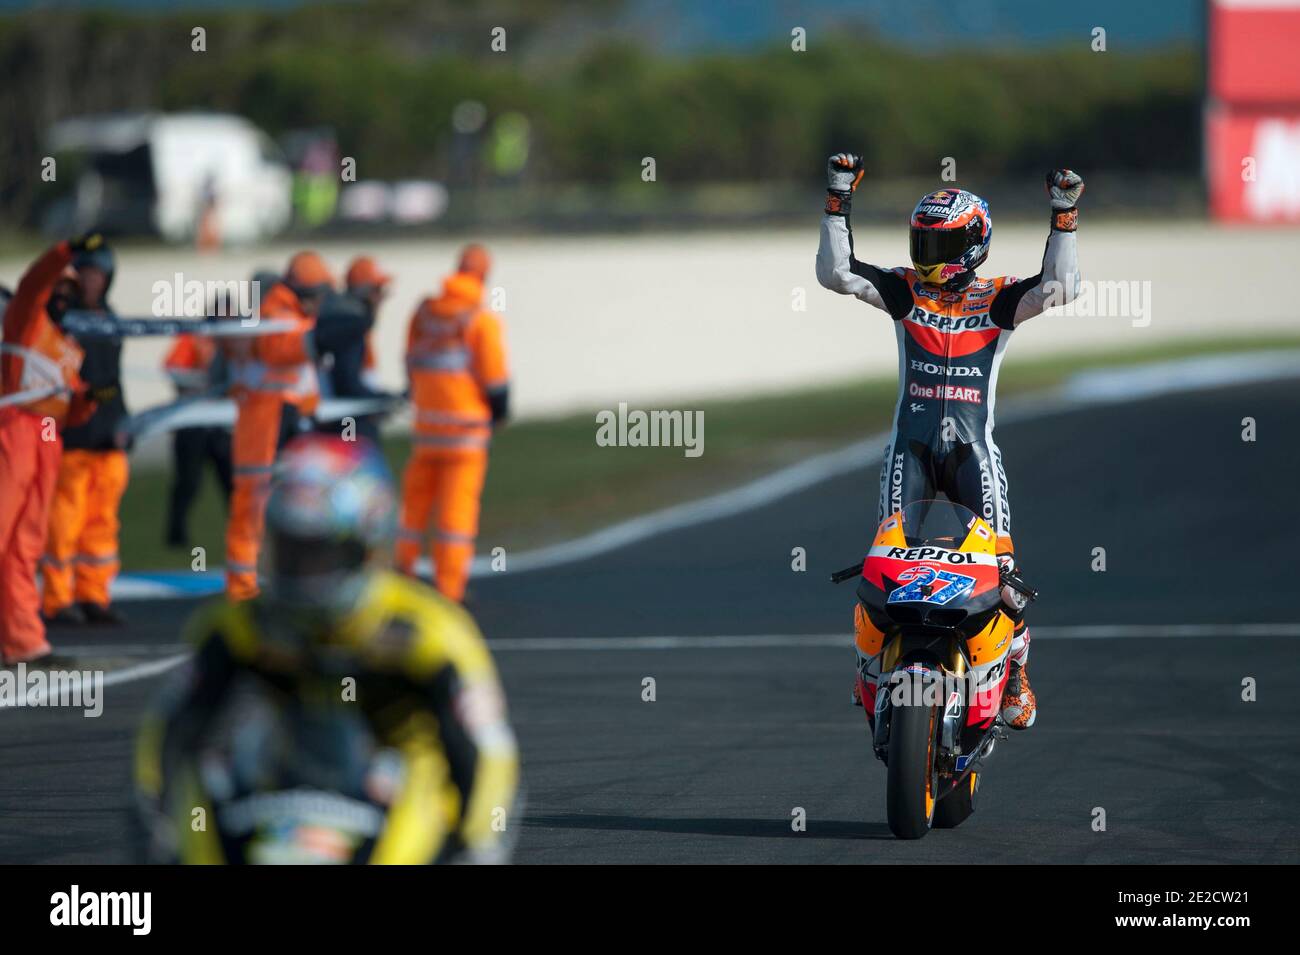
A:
x: 931, y: 623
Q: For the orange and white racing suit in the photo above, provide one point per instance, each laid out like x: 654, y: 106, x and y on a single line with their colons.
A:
x: 457, y: 366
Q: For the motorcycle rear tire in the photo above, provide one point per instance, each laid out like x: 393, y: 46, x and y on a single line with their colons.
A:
x: 909, y: 791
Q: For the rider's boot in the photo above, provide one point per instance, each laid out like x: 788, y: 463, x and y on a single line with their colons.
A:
x: 1019, y: 705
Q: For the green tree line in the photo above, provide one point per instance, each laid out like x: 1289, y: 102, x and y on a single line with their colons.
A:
x: 387, y: 75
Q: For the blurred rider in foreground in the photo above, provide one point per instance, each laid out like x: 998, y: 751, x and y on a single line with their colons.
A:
x: 334, y: 640
x: 952, y: 329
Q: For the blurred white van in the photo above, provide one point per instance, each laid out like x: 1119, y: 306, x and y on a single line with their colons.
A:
x: 158, y: 172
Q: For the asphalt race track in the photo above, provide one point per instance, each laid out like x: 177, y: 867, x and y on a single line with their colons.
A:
x: 1143, y: 721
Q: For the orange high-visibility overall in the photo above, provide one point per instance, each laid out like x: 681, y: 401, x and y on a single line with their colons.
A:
x: 30, y: 447
x: 81, y: 551
x: 266, y: 373
x: 455, y: 359
x: 81, y: 558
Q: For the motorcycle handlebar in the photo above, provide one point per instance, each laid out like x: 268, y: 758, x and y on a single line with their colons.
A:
x: 848, y: 573
x: 1017, y: 583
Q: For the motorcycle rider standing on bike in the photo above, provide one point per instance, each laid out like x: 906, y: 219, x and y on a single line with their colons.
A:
x: 952, y: 329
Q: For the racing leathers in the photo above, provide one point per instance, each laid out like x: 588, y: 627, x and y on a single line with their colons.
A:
x: 950, y: 348
x: 412, y: 667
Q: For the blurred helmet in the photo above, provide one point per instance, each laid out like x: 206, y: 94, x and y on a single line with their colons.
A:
x: 329, y: 521
x: 474, y: 260
x: 951, y: 231
x: 308, y: 274
x: 100, y: 257
x: 365, y: 272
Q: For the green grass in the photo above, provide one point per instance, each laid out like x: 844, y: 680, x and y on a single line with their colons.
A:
x: 549, y: 480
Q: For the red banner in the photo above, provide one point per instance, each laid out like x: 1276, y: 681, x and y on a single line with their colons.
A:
x: 1254, y: 52
x: 1253, y: 162
x: 1252, y: 120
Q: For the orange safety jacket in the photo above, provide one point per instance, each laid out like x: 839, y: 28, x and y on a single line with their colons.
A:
x: 189, y: 363
x: 280, y: 363
x: 38, y: 355
x: 455, y: 358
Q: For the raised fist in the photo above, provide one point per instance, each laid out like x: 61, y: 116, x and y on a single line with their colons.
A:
x: 1065, y: 186
x: 844, y: 172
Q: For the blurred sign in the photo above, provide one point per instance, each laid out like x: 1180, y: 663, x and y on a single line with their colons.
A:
x: 1252, y: 121
x: 409, y: 202
x: 1254, y: 165
x: 365, y: 201
x: 1254, y: 51
x: 418, y: 201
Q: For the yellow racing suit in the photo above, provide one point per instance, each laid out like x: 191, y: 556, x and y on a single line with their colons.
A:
x: 410, y: 664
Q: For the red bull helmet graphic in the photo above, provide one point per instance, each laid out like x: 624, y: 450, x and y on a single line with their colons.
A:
x: 950, y: 235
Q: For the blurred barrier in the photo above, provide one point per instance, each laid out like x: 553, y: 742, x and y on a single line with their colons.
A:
x: 663, y: 317
x: 584, y: 208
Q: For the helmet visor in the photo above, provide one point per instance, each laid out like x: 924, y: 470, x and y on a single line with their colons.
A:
x: 314, y: 571
x: 939, y: 246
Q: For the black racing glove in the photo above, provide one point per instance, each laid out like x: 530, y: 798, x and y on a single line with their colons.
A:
x: 843, y: 173
x: 1064, y: 186
x: 499, y: 402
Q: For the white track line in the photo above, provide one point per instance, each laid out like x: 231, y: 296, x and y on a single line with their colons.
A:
x: 1097, y: 387
x: 1108, y: 385
x: 754, y: 641
x: 144, y: 671
x: 1123, y: 631
x: 141, y: 671
x: 755, y: 494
